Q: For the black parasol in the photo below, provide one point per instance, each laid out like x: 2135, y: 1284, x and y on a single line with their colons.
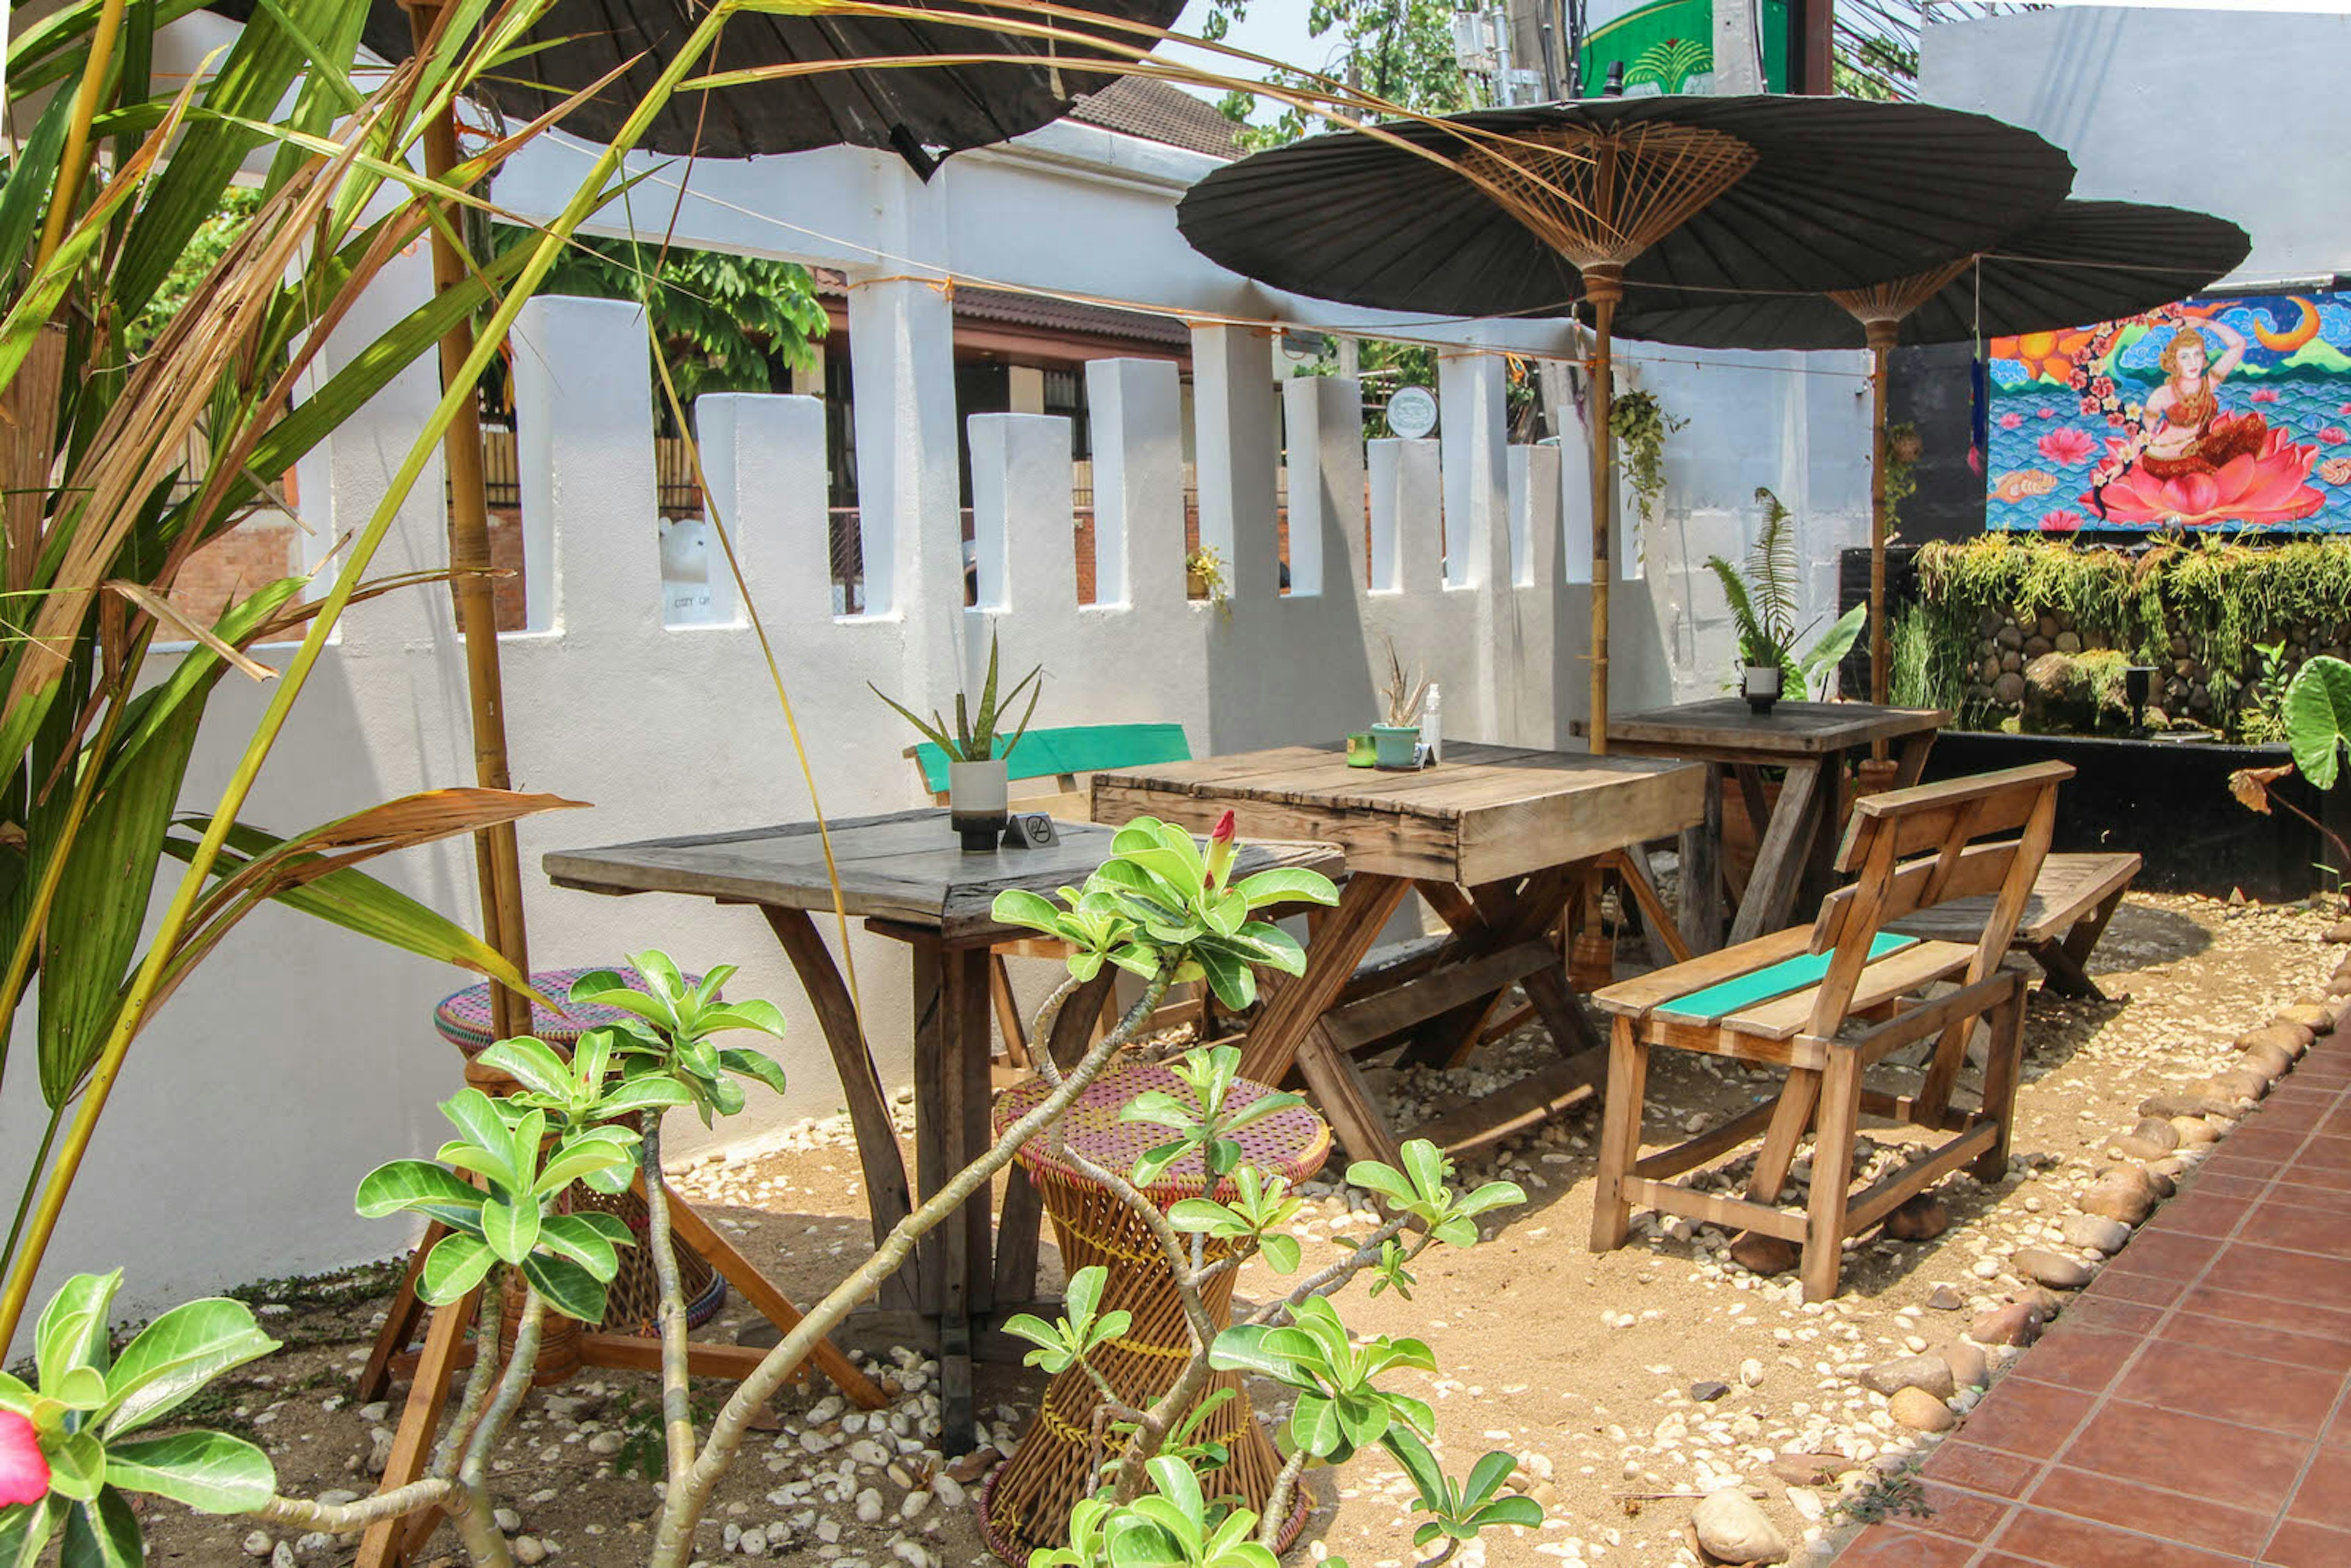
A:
x: 2083, y: 262
x: 1520, y: 212
x: 913, y: 110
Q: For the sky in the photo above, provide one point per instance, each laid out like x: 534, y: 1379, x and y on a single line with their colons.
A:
x: 1272, y: 27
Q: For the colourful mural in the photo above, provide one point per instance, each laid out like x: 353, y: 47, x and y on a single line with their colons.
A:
x: 2232, y: 413
x: 1665, y: 45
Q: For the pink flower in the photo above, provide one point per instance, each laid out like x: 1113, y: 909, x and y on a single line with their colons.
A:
x: 2268, y: 487
x: 2060, y: 521
x: 2344, y: 409
x: 2044, y: 414
x: 2067, y: 446
x: 1220, y: 850
x: 23, y: 1472
x: 2010, y: 420
x: 2262, y: 394
x: 2335, y: 435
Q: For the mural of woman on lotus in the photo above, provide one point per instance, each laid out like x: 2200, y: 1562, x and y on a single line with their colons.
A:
x: 2211, y: 413
x: 2193, y: 462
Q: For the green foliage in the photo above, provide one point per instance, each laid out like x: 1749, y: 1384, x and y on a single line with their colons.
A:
x: 974, y: 736
x: 1762, y: 602
x: 86, y: 1407
x: 2317, y: 713
x: 1460, y: 1510
x: 668, y: 1033
x: 511, y: 1217
x: 1203, y: 1127
x: 1158, y: 894
x: 1899, y: 462
x: 1173, y: 1527
x: 1260, y: 1206
x: 204, y: 253
x: 1341, y: 1406
x: 2225, y: 597
x: 1640, y: 425
x: 725, y: 322
x: 1401, y: 50
x: 1079, y: 1331
x: 1421, y: 1190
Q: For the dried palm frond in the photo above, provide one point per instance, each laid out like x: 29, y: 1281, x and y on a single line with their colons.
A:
x: 1403, y: 696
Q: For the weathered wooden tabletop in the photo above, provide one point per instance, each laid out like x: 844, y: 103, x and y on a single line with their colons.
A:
x: 1484, y: 813
x: 1725, y: 729
x: 905, y: 867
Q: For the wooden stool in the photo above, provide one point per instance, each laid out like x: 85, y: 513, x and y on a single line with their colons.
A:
x: 1026, y: 1504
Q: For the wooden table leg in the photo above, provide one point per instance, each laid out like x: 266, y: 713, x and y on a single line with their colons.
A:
x: 1288, y: 1006
x: 1701, y: 847
x: 1828, y: 833
x: 886, y: 1194
x: 1912, y: 763
x: 1779, y: 860
x: 400, y: 1321
x: 2066, y: 962
x: 954, y: 1279
x: 411, y: 1442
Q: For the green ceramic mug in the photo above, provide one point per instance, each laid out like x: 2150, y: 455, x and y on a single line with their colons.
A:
x: 1361, y: 751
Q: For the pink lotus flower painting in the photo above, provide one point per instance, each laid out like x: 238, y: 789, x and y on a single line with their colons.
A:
x: 2066, y: 446
x: 2213, y: 413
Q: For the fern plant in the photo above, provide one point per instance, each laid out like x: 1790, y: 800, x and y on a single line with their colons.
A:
x: 1763, y: 603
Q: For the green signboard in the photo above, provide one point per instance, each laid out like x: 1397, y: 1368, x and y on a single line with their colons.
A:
x: 1667, y: 45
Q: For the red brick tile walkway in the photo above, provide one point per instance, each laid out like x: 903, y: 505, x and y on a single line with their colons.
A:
x: 2193, y: 1409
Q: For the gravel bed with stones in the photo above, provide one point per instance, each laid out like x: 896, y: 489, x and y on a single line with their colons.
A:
x: 1654, y: 1394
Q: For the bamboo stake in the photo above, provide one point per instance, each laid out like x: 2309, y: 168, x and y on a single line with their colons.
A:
x: 1603, y: 290
x: 497, y: 862
x: 1881, y: 339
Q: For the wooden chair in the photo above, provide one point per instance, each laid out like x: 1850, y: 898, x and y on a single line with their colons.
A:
x: 1789, y: 999
x: 1057, y: 765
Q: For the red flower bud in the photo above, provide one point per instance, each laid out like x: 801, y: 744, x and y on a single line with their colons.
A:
x: 23, y: 1470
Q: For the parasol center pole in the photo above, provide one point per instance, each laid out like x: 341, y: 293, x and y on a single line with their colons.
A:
x: 1604, y: 286
x: 1882, y: 335
x: 497, y: 862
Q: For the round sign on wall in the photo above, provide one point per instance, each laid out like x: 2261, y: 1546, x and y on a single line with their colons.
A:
x: 1412, y: 412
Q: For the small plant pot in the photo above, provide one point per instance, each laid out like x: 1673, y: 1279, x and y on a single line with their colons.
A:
x: 1760, y: 686
x: 1362, y: 751
x: 1395, y: 746
x: 1194, y: 586
x: 977, y: 793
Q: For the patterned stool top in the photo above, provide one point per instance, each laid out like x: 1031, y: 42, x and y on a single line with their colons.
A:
x: 466, y: 1021
x: 1291, y: 1143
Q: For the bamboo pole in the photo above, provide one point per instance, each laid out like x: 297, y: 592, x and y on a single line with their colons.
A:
x: 1603, y: 290
x: 1881, y: 339
x: 497, y: 863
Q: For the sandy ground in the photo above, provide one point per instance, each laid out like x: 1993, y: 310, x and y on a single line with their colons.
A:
x: 1581, y: 1364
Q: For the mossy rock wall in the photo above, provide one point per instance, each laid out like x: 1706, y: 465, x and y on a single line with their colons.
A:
x: 2194, y: 610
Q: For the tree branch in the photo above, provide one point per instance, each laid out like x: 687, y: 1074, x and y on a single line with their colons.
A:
x: 1277, y: 1501
x: 490, y: 1319
x: 677, y: 1404
x: 682, y: 1508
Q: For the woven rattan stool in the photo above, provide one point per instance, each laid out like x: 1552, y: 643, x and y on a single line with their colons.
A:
x: 1026, y: 1504
x: 632, y: 1301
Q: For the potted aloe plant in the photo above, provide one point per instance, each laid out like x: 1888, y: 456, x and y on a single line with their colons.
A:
x: 1397, y: 743
x: 1763, y: 603
x: 978, y: 783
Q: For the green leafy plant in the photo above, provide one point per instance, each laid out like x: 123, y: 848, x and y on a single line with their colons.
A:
x: 1172, y: 1528
x: 1078, y: 1332
x: 978, y: 727
x: 1403, y: 696
x: 85, y: 1411
x: 2316, y: 714
x: 1898, y: 465
x: 568, y: 1259
x: 1640, y: 425
x: 1460, y: 1510
x: 1159, y: 898
x: 669, y: 1032
x: 1762, y: 602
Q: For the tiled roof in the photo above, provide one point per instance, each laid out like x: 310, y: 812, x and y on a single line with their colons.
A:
x: 1069, y: 316
x: 1155, y: 111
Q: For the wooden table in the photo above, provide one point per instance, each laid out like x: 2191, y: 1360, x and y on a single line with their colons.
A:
x: 905, y: 877
x: 1496, y: 839
x: 1797, y: 836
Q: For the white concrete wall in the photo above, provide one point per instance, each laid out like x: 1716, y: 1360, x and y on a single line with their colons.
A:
x: 299, y: 1057
x: 2175, y: 106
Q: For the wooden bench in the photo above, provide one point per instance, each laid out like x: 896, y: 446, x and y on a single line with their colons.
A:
x: 2073, y: 899
x: 1827, y: 1003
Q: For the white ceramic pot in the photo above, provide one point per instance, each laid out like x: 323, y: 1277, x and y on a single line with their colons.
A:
x: 1760, y: 686
x: 977, y: 793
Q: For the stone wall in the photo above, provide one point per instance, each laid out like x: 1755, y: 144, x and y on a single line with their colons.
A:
x: 2008, y: 641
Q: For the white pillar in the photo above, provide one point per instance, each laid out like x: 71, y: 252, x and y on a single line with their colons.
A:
x: 902, y: 370
x: 1232, y: 399
x: 1473, y: 432
x: 1407, y: 496
x: 1135, y: 411
x: 585, y: 440
x: 1324, y: 417
x: 1020, y: 511
x: 763, y: 456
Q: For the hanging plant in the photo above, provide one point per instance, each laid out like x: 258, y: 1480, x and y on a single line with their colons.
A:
x: 1899, y: 462
x: 1640, y: 425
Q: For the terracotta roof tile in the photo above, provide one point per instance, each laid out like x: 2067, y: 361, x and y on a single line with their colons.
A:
x: 1156, y: 112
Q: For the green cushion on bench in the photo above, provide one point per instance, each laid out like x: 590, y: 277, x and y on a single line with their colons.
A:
x: 1718, y: 1002
x: 1077, y: 748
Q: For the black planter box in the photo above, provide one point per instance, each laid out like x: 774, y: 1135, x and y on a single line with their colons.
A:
x: 2170, y: 801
